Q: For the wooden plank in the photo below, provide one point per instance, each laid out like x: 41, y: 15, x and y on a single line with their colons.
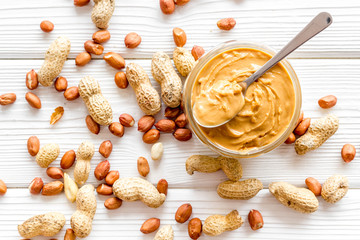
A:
x: 270, y: 22
x: 340, y: 220
x: 318, y: 77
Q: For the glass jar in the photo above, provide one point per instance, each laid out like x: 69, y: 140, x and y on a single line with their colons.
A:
x: 188, y: 88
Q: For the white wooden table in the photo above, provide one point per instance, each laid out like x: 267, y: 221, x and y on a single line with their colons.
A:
x: 328, y: 64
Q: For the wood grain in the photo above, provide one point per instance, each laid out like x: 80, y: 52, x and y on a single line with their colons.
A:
x: 338, y: 221
x: 273, y: 23
x: 319, y: 77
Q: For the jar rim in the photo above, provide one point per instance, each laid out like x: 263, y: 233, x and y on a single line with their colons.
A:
x: 189, y: 84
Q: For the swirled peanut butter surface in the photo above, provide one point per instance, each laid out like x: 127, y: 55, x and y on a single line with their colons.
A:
x: 268, y: 104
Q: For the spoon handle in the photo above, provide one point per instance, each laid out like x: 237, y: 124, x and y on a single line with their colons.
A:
x: 319, y: 23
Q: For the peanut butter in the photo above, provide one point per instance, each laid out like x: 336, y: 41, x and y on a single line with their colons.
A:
x: 265, y: 112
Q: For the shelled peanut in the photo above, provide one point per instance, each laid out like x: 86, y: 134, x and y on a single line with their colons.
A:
x: 3, y: 188
x: 143, y: 166
x: 104, y: 189
x: 31, y: 80
x: 68, y: 159
x: 132, y: 40
x: 348, y: 152
x: 183, y: 213
x: 111, y: 177
x: 70, y: 188
x: 195, y: 228
x: 101, y: 36
x: 36, y: 185
x: 46, y: 26
x: 7, y: 98
x: 226, y: 24
x: 105, y: 148
x: 121, y: 80
x: 113, y: 203
x: 150, y: 225
x: 101, y: 170
x: 255, y: 219
x: 33, y: 100
x: 33, y: 145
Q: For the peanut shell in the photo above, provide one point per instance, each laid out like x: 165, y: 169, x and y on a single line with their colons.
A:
x: 183, y: 60
x: 217, y: 224
x: 47, y: 154
x: 300, y: 199
x: 164, y: 73
x: 206, y: 164
x: 55, y: 58
x: 132, y: 188
x: 335, y: 188
x: 242, y: 190
x: 97, y: 105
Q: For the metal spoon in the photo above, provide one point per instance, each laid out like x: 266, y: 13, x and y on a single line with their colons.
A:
x: 318, y: 24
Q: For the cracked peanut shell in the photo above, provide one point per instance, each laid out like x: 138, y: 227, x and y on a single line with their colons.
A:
x: 335, y: 188
x: 300, y: 199
x: 133, y: 188
x: 242, y: 190
x: 206, y: 164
